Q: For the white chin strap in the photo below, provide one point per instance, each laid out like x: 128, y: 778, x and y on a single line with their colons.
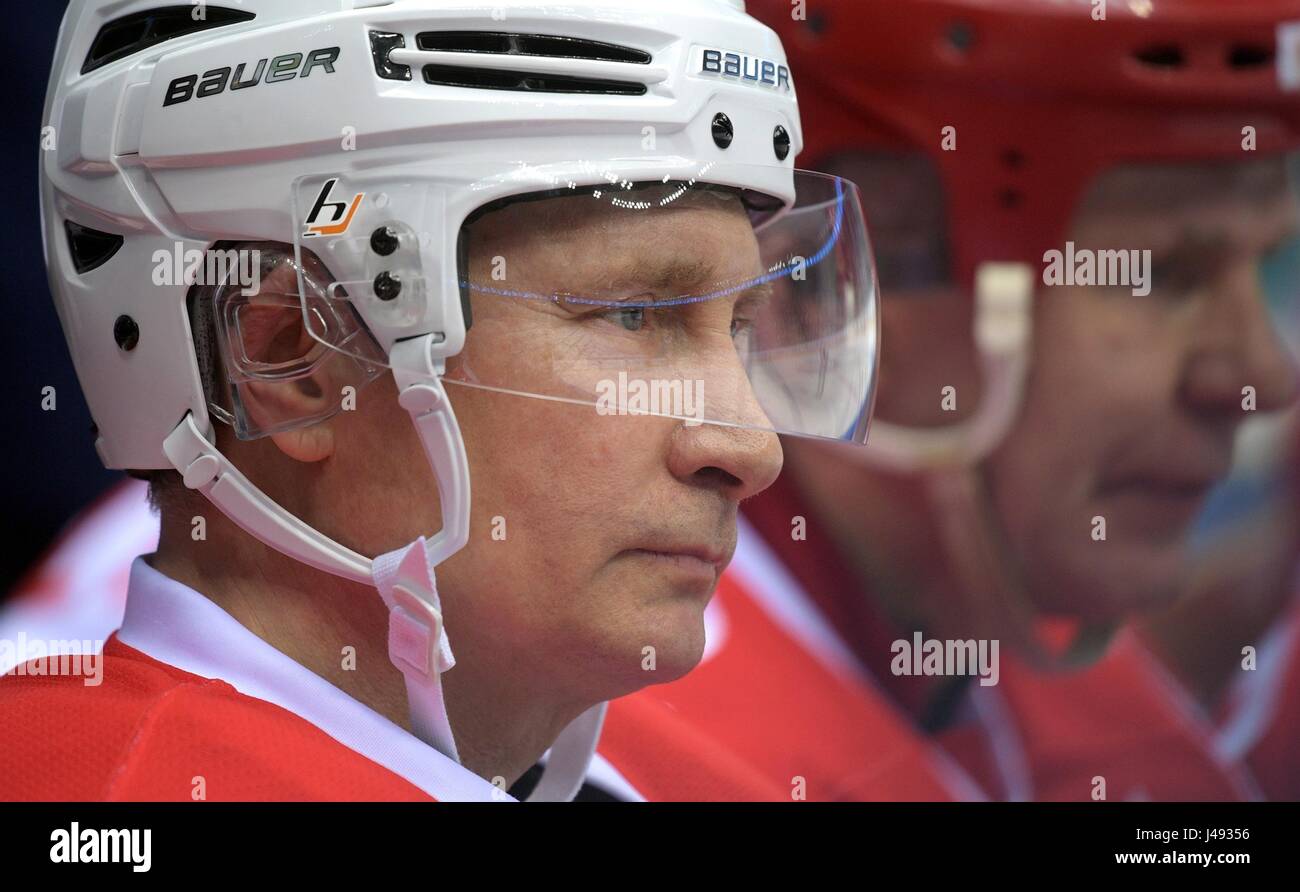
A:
x: 1004, y: 300
x: 417, y: 640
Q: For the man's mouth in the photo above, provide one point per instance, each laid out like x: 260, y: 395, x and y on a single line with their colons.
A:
x: 699, y: 561
x: 1161, y: 499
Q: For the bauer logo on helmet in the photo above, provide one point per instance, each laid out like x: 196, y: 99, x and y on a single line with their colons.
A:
x: 746, y: 69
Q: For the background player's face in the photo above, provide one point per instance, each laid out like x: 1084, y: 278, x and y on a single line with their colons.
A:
x: 1133, y: 402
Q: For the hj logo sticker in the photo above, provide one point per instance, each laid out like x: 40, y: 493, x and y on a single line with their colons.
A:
x: 331, y: 217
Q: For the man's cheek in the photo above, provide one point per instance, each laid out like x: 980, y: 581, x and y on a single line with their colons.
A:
x: 615, y: 453
x: 1040, y: 483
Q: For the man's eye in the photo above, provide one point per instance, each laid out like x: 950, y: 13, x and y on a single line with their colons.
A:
x: 740, y: 326
x: 1177, y: 277
x: 631, y: 318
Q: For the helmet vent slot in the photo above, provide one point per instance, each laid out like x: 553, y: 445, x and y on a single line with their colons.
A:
x: 1166, y: 56
x: 90, y: 248
x: 500, y: 43
x: 129, y: 34
x: 1247, y: 56
x: 497, y: 79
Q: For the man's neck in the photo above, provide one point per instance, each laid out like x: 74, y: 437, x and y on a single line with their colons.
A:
x: 338, y: 629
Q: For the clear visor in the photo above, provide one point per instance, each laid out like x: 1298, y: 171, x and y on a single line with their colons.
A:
x: 677, y: 298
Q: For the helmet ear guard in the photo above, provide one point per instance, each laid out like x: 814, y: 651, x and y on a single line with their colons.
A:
x: 262, y: 374
x: 204, y: 468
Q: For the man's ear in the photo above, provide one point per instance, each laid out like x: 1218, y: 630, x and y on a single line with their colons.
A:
x: 271, y: 331
x: 307, y: 444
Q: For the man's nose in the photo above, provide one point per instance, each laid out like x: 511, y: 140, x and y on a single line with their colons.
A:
x: 737, y: 462
x: 1240, y: 348
x: 734, y: 450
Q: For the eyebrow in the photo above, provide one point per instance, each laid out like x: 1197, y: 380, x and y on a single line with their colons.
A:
x: 678, y: 281
x: 758, y: 295
x: 649, y: 282
x: 675, y: 273
x: 1211, y: 245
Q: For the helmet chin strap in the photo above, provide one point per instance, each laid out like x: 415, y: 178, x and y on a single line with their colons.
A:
x: 417, y: 640
x: 950, y: 461
x: 1003, y: 327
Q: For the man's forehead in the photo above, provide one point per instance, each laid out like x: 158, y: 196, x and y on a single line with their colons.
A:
x: 664, y: 275
x: 1207, y: 204
x: 681, y: 246
x: 1143, y: 189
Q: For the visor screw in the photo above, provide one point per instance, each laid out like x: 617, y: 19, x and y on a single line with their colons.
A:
x: 781, y: 142
x: 126, y: 333
x: 383, y: 241
x: 723, y: 132
x: 387, y: 286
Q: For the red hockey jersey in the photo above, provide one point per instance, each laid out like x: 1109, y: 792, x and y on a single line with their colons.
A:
x: 153, y: 732
x: 1122, y: 720
x: 183, y: 702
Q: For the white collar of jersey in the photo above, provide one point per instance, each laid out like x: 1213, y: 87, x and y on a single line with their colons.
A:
x: 180, y: 627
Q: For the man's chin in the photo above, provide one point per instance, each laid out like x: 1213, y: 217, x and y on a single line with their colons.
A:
x: 1112, y: 582
x: 678, y: 641
x: 665, y: 642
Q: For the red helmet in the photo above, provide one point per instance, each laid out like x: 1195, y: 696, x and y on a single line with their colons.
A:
x: 1042, y: 96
